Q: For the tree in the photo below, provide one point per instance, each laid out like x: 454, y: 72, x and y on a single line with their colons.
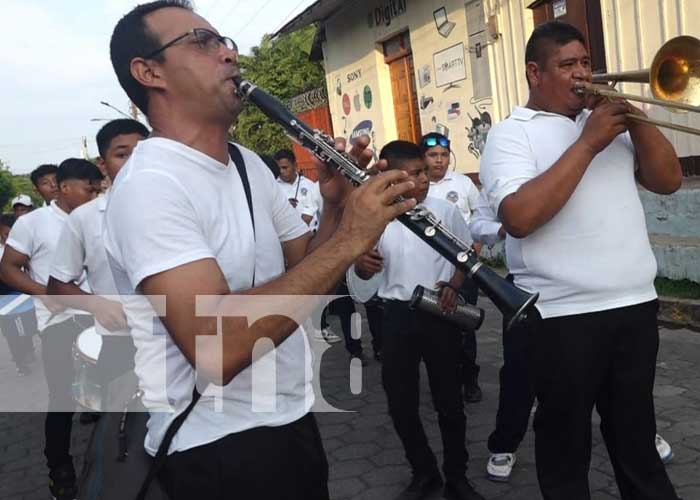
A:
x: 282, y: 68
x: 7, y: 188
x: 23, y: 184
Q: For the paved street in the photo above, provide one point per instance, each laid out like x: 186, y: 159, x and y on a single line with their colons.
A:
x: 366, y: 459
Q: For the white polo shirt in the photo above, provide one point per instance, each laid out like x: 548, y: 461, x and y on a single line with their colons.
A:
x: 36, y: 235
x: 81, y: 250
x: 594, y: 254
x: 172, y: 205
x: 484, y: 224
x: 458, y: 189
x: 409, y: 261
x: 304, y: 190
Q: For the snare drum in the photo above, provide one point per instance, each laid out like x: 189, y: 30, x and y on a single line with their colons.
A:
x: 87, y: 389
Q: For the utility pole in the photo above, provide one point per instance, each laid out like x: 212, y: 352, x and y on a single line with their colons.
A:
x: 83, y: 148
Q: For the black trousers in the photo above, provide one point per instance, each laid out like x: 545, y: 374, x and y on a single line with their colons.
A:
x: 517, y: 389
x: 264, y: 463
x: 605, y: 359
x: 56, y: 353
x: 343, y: 307
x: 409, y: 337
x: 375, y: 319
x: 19, y: 330
x: 470, y: 369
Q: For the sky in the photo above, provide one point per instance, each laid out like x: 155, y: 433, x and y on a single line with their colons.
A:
x: 55, y: 68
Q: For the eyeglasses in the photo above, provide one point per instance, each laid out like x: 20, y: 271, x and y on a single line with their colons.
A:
x: 433, y: 141
x: 206, y: 39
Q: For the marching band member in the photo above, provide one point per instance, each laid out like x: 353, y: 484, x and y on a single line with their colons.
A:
x: 408, y: 337
x: 81, y: 250
x: 554, y: 172
x: 459, y: 190
x: 31, y: 245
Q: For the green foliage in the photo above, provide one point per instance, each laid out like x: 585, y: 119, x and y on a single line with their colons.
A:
x: 7, y: 189
x: 282, y: 68
x: 684, y: 289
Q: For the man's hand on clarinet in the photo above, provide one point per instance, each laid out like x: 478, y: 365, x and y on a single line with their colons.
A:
x: 334, y: 187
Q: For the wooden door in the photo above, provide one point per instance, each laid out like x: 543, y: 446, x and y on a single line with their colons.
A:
x: 397, y: 54
x: 585, y: 15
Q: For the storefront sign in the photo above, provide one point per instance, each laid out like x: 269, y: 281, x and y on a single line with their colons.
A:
x: 346, y: 104
x: 362, y: 128
x: 367, y: 94
x: 386, y: 12
x: 449, y: 65
x: 354, y: 75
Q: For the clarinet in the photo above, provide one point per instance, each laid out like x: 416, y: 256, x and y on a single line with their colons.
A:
x: 514, y: 303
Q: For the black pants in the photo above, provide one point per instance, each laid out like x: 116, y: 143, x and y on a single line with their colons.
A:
x: 264, y: 463
x: 344, y: 307
x: 409, y: 337
x: 470, y: 369
x: 19, y: 330
x: 517, y: 389
x: 605, y: 359
x: 375, y: 318
x: 56, y: 352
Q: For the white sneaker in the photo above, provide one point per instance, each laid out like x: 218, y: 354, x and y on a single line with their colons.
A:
x: 326, y: 335
x: 664, y: 449
x: 500, y: 466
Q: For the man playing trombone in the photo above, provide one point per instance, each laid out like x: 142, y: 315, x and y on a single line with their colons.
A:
x: 563, y: 180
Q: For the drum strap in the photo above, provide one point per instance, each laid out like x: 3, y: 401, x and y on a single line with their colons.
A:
x: 162, y: 453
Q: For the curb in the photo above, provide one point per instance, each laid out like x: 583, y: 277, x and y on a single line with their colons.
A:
x: 679, y: 313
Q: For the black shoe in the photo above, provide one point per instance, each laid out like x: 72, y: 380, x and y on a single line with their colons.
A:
x: 472, y: 393
x: 88, y: 417
x: 421, y: 487
x: 461, y: 489
x: 62, y: 483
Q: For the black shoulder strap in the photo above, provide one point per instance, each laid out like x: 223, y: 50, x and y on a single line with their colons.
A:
x: 162, y: 453
x: 240, y: 166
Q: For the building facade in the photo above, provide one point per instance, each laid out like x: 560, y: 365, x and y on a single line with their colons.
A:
x: 402, y: 68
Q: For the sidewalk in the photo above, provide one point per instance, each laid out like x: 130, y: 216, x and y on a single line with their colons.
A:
x: 365, y: 456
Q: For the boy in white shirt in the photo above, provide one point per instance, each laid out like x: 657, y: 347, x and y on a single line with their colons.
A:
x: 31, y: 245
x: 411, y: 336
x: 81, y: 250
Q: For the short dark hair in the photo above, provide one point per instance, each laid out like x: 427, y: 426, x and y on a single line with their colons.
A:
x: 435, y: 135
x: 77, y: 168
x: 115, y: 128
x: 7, y: 220
x: 271, y: 164
x: 41, y: 171
x: 131, y: 38
x: 396, y: 152
x: 285, y: 154
x: 547, y: 34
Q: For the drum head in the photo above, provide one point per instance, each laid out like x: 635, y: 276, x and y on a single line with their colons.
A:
x: 89, y: 344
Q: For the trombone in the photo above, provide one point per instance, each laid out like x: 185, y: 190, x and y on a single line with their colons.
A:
x: 674, y: 77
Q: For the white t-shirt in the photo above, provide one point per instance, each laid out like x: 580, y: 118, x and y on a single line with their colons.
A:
x: 36, y: 235
x: 172, y: 205
x: 594, y: 254
x: 484, y: 224
x: 304, y: 190
x: 458, y: 189
x: 409, y: 261
x: 81, y: 250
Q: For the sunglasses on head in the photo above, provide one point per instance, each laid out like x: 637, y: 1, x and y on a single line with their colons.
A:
x: 436, y: 141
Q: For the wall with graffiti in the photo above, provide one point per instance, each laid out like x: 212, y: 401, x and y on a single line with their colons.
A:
x: 450, y: 48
